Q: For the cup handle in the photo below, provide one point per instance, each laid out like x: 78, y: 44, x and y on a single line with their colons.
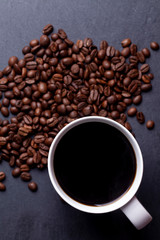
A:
x: 136, y: 213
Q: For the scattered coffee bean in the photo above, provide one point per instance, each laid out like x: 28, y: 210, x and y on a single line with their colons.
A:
x: 2, y: 176
x: 126, y: 42
x: 25, y: 176
x: 140, y: 117
x: 146, y: 87
x: 132, y: 111
x: 2, y: 187
x: 137, y: 99
x: 146, y: 52
x: 47, y: 29
x: 154, y: 45
x: 16, y: 172
x: 32, y: 186
x: 150, y: 124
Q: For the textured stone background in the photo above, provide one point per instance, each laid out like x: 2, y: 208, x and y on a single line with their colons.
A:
x: 28, y: 216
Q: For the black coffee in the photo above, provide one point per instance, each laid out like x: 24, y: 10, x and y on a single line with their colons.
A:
x: 94, y: 163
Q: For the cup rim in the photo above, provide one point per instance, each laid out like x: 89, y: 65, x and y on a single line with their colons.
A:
x: 117, y: 203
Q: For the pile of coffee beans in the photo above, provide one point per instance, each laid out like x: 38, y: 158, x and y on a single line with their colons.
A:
x: 59, y: 81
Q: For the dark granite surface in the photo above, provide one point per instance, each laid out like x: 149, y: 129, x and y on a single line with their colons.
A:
x: 34, y: 216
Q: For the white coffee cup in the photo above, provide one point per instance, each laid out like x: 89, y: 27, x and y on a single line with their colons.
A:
x: 128, y: 202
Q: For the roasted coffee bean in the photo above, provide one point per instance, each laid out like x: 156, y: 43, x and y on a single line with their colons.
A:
x: 48, y: 29
x: 93, y: 95
x: 133, y: 49
x: 146, y: 87
x: 2, y: 187
x: 23, y: 157
x: 126, y: 94
x: 110, y: 52
x: 32, y: 186
x: 12, y: 161
x: 75, y: 69
x: 87, y: 110
x: 5, y: 111
x: 62, y: 34
x: 101, y: 54
x: 127, y: 101
x: 42, y: 87
x: 125, y: 52
x: 12, y: 60
x: 58, y: 77
x: 61, y: 109
x: 132, y: 87
x: 115, y: 114
x: 31, y: 65
x: 137, y: 99
x: 144, y: 68
x: 128, y: 126
x: 44, y: 41
x: 146, y: 52
x: 132, y: 111
x: 150, y: 124
x: 3, y: 141
x: 37, y: 157
x: 16, y: 172
x: 27, y: 119
x: 141, y: 56
x: 109, y: 74
x: 43, y: 153
x: 103, y: 45
x: 126, y: 81
x: 4, y: 130
x: 106, y: 64
x: 150, y: 75
x: 146, y: 79
x: 154, y: 45
x: 140, y: 117
x: 3, y: 81
x: 7, y: 70
x: 23, y: 131
x: 123, y: 117
x: 111, y: 99
x: 25, y: 176
x: 126, y: 42
x: 67, y: 61
x: 39, y: 138
x: 28, y: 57
x: 5, y: 102
x: 2, y: 176
x: 133, y: 60
x: 24, y: 168
x: 30, y: 161
x: 26, y: 50
x: 34, y: 42
x: 133, y: 73
x: 16, y: 91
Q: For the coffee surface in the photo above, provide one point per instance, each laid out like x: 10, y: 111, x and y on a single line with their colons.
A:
x: 94, y: 163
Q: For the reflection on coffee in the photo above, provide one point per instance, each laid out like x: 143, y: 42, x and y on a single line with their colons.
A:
x: 94, y: 163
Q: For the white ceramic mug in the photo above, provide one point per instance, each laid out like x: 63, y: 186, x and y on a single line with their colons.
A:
x: 128, y: 203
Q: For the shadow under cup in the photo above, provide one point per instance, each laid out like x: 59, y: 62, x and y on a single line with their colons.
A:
x: 95, y: 164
